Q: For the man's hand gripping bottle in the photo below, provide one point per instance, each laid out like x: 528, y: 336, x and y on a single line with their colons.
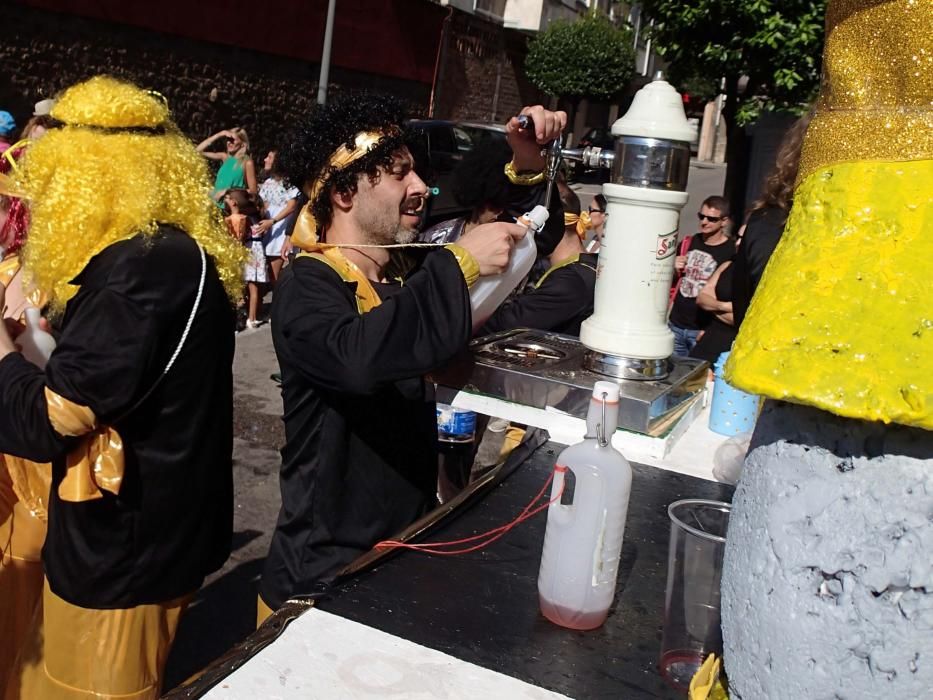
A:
x: 488, y: 293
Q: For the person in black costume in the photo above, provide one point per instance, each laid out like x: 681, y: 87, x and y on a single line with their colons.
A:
x: 765, y: 222
x: 134, y: 407
x: 563, y: 298
x: 360, y: 462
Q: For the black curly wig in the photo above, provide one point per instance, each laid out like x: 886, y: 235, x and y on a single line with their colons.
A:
x: 569, y: 199
x: 480, y: 179
x: 311, y: 144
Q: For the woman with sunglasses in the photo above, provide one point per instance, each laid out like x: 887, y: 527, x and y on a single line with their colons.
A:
x: 237, y: 170
x: 597, y: 223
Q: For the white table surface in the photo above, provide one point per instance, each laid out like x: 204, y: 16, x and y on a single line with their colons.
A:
x: 321, y: 656
x: 689, y: 448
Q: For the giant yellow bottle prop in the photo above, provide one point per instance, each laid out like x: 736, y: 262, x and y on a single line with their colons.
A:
x: 843, y: 318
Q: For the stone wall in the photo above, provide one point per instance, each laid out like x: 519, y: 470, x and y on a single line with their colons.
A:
x: 208, y: 86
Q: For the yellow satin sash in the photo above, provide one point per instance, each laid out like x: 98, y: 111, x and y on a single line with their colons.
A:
x: 581, y: 221
x: 97, y: 462
x: 366, y: 297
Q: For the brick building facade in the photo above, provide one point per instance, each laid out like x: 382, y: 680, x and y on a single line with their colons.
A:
x: 227, y: 68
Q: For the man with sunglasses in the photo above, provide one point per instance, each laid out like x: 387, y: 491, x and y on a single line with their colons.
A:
x: 709, y: 249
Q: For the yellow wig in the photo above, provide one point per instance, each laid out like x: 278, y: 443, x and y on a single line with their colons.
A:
x: 115, y: 166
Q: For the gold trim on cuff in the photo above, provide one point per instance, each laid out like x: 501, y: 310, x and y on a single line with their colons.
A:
x: 468, y: 265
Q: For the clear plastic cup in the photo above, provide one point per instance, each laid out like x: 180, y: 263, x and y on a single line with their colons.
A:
x: 691, y: 606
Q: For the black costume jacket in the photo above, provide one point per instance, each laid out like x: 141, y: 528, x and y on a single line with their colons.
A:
x: 360, y: 459
x: 171, y: 523
x: 560, y: 302
x: 762, y: 234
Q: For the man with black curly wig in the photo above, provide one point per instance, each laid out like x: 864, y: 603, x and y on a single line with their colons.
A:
x: 360, y: 460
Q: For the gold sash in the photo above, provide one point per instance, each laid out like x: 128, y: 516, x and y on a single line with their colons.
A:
x: 97, y: 462
x: 581, y: 221
x: 366, y: 297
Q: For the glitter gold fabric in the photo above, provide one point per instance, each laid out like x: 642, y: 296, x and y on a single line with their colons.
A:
x: 843, y: 317
x: 876, y: 102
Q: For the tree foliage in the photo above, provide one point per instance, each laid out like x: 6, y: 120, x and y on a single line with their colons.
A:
x: 589, y: 57
x: 777, y: 44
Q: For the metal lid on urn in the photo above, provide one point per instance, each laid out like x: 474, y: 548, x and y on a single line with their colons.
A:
x: 657, y: 112
x: 653, y: 140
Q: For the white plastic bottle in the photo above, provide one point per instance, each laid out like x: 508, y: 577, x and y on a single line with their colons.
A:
x: 583, y: 540
x: 36, y: 344
x: 489, y: 292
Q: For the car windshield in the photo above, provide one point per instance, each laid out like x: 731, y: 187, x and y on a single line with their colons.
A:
x: 481, y: 133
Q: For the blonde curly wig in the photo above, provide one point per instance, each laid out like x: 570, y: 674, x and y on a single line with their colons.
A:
x: 114, y: 166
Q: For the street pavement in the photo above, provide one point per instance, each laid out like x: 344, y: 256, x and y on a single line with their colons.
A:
x: 224, y: 611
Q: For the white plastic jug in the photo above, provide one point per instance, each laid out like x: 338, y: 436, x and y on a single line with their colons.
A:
x: 583, y: 540
x: 35, y: 344
x: 488, y: 293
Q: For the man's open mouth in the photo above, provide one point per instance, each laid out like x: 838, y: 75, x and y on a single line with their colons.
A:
x: 413, y: 206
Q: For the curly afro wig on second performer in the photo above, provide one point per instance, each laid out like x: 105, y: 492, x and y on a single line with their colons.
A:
x: 112, y: 166
x: 480, y: 178
x: 311, y: 145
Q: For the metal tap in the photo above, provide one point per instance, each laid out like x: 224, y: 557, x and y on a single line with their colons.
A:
x: 551, y: 166
x: 591, y: 156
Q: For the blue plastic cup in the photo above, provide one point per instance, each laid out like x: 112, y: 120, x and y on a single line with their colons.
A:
x: 732, y: 411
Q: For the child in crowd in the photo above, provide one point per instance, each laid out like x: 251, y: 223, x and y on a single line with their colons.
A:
x: 279, y: 202
x: 242, y: 219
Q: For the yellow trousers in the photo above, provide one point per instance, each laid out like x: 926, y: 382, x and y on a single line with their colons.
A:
x: 21, y: 538
x: 74, y: 653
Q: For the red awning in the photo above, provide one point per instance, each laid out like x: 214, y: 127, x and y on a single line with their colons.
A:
x: 396, y: 38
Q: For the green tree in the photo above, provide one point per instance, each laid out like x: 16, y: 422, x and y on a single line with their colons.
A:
x: 587, y: 58
x: 776, y: 45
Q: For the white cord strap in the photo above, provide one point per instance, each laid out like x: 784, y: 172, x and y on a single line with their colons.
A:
x: 181, y: 342
x: 194, y: 311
